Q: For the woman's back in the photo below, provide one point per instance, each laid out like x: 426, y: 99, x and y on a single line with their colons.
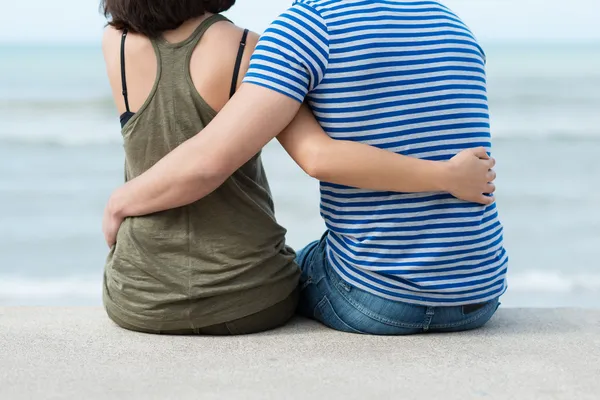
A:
x: 215, y: 260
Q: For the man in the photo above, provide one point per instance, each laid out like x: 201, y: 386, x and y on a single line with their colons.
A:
x: 404, y: 76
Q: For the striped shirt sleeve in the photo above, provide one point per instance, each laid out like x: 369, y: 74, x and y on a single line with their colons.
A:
x: 292, y: 55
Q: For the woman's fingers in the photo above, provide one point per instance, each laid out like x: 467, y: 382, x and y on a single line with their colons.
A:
x: 487, y: 200
x: 490, y: 188
x: 481, y: 153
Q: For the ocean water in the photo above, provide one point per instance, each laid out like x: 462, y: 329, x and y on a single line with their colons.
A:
x: 61, y: 156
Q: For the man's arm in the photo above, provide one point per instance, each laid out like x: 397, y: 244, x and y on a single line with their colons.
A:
x: 467, y: 176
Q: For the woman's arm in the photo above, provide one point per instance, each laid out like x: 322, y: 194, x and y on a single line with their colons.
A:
x: 467, y: 176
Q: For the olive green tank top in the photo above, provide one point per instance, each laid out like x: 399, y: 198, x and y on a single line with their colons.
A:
x: 213, y: 261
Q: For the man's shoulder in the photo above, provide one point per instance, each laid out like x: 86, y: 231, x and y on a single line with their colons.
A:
x: 333, y: 8
x: 319, y: 5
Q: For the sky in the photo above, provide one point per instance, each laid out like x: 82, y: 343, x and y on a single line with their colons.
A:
x: 79, y: 21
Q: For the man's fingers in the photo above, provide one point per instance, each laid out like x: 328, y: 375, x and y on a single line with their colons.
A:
x: 490, y: 188
x: 480, y: 152
x: 491, y: 176
x: 109, y: 242
x: 112, y: 240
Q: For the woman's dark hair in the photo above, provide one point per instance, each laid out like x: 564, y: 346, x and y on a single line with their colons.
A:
x: 152, y: 17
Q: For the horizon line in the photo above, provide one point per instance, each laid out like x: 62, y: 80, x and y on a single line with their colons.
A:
x: 92, y: 43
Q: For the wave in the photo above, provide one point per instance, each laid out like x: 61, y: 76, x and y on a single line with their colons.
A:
x: 531, y: 282
x: 108, y: 133
x: 115, y: 140
x: 111, y: 137
x: 553, y: 282
x: 16, y: 288
x: 508, y: 99
x: 76, y: 122
x: 57, y: 104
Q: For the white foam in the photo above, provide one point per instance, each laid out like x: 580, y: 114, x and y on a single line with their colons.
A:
x: 536, y: 281
x: 92, y: 128
x: 553, y: 282
x: 62, y: 140
x: 34, y: 289
x: 79, y: 139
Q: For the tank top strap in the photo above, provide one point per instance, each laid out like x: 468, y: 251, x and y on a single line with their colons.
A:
x: 190, y: 43
x: 203, y: 27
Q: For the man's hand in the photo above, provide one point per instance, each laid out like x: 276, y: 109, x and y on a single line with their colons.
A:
x: 111, y: 222
x: 470, y: 176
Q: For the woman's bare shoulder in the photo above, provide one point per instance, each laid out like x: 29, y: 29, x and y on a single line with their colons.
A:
x: 141, y: 65
x: 111, y: 44
x: 229, y: 35
x: 222, y: 43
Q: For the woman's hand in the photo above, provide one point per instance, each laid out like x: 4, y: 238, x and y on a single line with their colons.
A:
x: 470, y: 176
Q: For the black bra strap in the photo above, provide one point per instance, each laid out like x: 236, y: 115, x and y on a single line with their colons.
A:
x: 123, y: 78
x: 238, y: 63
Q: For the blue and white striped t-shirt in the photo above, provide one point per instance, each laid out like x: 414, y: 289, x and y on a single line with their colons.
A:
x: 409, y: 77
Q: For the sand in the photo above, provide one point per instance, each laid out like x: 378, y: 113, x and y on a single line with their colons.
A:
x: 77, y: 353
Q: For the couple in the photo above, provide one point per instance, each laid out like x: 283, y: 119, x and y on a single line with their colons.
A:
x: 384, y: 102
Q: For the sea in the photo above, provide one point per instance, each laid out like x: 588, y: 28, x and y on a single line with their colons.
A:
x: 61, y: 156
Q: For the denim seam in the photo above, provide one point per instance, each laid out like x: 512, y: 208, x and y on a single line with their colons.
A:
x: 326, y: 300
x: 337, y: 281
x: 429, y: 314
x: 306, y: 284
x: 309, y: 261
x: 474, y: 318
x: 374, y: 316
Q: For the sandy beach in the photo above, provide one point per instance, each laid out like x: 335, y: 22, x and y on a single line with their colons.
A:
x: 76, y: 353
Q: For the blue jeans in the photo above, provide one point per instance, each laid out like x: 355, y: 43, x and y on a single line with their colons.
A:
x: 327, y: 298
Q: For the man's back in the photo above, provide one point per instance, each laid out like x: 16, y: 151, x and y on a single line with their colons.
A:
x: 406, y: 76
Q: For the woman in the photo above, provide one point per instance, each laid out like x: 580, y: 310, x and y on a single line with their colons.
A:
x: 219, y: 265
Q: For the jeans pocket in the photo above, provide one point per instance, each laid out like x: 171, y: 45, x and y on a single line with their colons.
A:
x: 325, y: 313
x: 471, y: 308
x: 474, y: 320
